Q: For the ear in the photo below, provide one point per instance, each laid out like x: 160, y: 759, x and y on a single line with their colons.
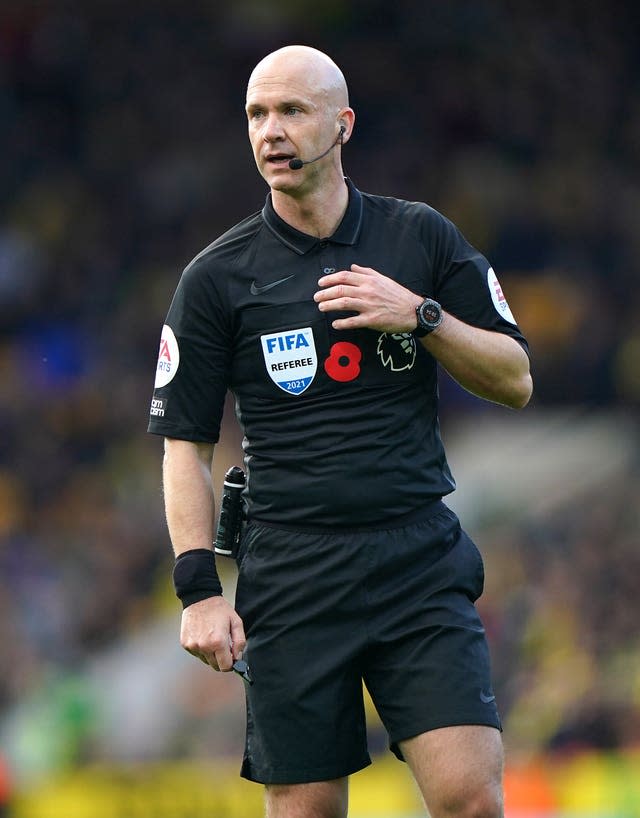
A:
x: 346, y: 120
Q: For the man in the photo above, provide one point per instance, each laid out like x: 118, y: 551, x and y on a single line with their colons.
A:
x: 325, y: 315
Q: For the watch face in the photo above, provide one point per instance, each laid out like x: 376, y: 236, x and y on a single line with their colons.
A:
x: 430, y: 313
x: 429, y: 317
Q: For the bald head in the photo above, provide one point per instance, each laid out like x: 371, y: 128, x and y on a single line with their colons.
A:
x: 298, y: 112
x: 300, y: 66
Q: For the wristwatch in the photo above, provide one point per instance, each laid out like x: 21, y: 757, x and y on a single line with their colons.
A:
x: 429, y: 317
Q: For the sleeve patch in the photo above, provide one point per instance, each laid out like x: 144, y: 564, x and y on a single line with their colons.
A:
x: 168, y: 357
x: 497, y: 296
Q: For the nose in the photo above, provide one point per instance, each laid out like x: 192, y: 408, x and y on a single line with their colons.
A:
x: 273, y: 129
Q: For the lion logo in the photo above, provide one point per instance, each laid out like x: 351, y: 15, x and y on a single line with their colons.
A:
x: 397, y: 350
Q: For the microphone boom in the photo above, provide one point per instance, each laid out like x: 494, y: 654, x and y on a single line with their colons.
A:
x: 298, y: 164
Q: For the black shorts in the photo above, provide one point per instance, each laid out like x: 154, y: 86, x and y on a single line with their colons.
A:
x: 325, y: 612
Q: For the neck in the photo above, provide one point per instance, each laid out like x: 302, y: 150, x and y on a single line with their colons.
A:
x: 316, y: 213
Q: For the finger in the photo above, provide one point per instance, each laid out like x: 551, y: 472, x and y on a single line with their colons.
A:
x: 353, y: 322
x: 223, y: 656
x: 337, y: 277
x: 335, y: 293
x: 197, y: 655
x: 238, y: 639
x: 356, y: 268
x: 333, y: 302
x: 341, y: 277
x: 345, y: 304
x: 336, y: 290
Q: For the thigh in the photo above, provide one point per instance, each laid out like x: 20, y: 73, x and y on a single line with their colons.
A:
x: 429, y: 665
x: 458, y: 770
x: 320, y: 799
x: 297, y: 595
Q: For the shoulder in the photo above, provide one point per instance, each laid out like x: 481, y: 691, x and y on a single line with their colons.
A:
x: 224, y: 250
x: 419, y: 213
x: 419, y: 219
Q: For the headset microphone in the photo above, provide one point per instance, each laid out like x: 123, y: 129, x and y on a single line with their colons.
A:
x: 298, y: 164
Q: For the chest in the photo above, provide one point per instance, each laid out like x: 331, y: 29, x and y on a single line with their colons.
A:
x: 284, y: 346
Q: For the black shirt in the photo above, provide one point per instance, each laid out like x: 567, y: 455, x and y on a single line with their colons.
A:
x: 341, y: 427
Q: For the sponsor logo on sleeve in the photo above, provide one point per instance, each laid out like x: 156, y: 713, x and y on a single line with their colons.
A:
x: 290, y: 358
x: 497, y: 296
x: 157, y: 408
x: 168, y: 357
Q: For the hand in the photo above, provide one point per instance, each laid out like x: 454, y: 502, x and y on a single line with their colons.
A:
x: 380, y: 302
x: 213, y: 632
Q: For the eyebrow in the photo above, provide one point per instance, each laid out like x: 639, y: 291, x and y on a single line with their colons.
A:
x: 284, y: 104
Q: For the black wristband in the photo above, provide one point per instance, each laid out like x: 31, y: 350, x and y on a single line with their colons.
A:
x: 195, y: 576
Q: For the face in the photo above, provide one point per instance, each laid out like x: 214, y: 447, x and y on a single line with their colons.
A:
x: 290, y: 114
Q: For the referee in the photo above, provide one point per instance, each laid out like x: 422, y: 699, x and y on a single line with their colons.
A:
x: 326, y: 314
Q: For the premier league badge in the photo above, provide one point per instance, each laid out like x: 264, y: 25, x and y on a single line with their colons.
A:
x: 290, y: 358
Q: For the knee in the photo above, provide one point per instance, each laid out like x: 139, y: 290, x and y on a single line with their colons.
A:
x: 488, y: 803
x: 482, y: 802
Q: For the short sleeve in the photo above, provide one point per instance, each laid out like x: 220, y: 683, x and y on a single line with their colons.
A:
x: 466, y: 284
x: 192, y: 373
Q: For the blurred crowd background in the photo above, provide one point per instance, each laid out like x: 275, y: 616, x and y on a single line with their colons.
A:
x: 124, y: 152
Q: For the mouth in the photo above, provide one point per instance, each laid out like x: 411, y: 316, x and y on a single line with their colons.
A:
x: 279, y: 159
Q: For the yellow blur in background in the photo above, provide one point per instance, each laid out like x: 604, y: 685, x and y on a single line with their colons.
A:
x: 585, y: 785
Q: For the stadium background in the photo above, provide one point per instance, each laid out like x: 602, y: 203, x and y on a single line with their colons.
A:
x: 123, y: 152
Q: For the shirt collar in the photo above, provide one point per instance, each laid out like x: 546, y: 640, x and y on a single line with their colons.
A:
x: 347, y: 231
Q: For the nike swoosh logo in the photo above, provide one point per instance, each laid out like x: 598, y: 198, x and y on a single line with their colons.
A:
x: 255, y: 290
x: 486, y: 699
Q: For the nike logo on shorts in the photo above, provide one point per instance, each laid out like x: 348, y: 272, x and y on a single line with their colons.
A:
x: 485, y: 698
x: 256, y: 290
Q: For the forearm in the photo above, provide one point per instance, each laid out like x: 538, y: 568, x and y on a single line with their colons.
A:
x: 188, y: 494
x: 211, y: 630
x: 491, y: 365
